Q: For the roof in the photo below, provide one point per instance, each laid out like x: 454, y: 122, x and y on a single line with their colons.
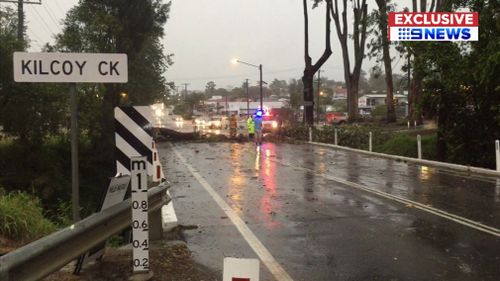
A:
x: 383, y: 96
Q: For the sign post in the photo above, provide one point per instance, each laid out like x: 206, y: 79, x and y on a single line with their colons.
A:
x: 71, y: 68
x: 74, y: 153
x: 140, y: 225
x: 114, y: 194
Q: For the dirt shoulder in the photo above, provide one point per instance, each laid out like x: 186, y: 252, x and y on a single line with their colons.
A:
x: 170, y: 261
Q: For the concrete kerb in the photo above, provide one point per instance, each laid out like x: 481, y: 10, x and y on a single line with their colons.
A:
x: 450, y: 166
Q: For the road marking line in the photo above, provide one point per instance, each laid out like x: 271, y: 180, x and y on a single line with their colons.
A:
x: 265, y: 256
x: 458, y: 219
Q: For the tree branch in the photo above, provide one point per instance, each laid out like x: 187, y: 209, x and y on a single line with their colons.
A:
x: 423, y: 5
x: 307, y: 58
x: 328, y: 48
x: 433, y: 4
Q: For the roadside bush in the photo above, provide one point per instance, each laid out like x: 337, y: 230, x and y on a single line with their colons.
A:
x: 21, y: 217
x: 429, y: 144
x: 44, y: 170
x: 353, y: 136
x: 298, y: 132
x: 402, y: 145
x: 406, y: 145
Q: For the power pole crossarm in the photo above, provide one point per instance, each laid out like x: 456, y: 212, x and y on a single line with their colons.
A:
x: 20, y: 15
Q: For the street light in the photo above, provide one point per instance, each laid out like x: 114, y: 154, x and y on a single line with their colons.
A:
x: 260, y: 81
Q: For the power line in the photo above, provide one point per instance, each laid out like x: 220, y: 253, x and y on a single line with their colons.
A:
x: 59, y: 9
x: 32, y: 34
x: 51, y: 15
x: 44, y: 22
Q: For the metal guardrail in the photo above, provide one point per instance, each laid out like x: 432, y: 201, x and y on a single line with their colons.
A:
x: 432, y: 163
x: 50, y: 253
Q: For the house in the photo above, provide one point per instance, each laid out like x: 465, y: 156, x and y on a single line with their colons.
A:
x: 372, y: 101
x: 367, y: 103
x: 339, y: 93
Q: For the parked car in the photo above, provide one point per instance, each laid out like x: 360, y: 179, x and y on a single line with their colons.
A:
x: 336, y: 118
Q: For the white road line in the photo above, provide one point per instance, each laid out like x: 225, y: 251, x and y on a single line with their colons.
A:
x: 265, y: 256
x: 458, y: 219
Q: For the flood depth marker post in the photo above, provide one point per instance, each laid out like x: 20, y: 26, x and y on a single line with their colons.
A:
x: 140, y: 224
x: 71, y: 68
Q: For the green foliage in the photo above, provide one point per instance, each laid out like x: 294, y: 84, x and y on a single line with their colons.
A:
x: 356, y: 136
x: 28, y: 111
x: 461, y: 88
x: 403, y: 145
x: 46, y: 173
x: 115, y: 241
x: 21, y: 217
x: 40, y: 169
x: 406, y: 145
x: 115, y: 26
x: 340, y: 105
x: 297, y: 132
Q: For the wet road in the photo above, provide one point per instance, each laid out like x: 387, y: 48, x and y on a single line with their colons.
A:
x: 326, y: 214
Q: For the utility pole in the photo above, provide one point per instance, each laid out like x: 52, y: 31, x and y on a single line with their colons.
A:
x: 227, y: 94
x: 261, y: 101
x: 20, y: 21
x: 409, y: 85
x: 248, y: 100
x: 20, y: 15
x: 319, y: 91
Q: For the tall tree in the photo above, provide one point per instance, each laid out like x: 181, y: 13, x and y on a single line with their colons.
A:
x: 310, y: 68
x: 27, y: 111
x: 119, y: 26
x: 278, y: 87
x: 379, y: 44
x: 415, y: 49
x: 210, y: 88
x: 360, y: 11
x: 461, y: 88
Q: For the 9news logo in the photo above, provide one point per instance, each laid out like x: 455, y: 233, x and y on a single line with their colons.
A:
x: 433, y: 26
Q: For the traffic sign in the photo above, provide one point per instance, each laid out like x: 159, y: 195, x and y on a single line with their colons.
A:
x: 70, y: 67
x: 237, y: 269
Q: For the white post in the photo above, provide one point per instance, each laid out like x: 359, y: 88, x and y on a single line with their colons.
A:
x: 408, y: 124
x: 419, y: 146
x: 335, y: 135
x: 497, y: 148
x: 310, y: 134
x: 415, y: 124
x: 370, y: 142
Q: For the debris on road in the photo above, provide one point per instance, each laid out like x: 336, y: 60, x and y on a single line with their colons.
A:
x: 170, y: 261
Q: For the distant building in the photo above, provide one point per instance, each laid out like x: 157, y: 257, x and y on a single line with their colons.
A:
x: 367, y: 103
x: 240, y: 107
x: 339, y: 93
x: 372, y: 101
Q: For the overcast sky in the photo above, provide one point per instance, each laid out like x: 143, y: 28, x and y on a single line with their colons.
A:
x: 206, y: 35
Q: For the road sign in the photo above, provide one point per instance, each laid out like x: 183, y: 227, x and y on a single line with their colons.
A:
x: 236, y: 269
x: 70, y: 67
x: 140, y: 224
x: 115, y: 193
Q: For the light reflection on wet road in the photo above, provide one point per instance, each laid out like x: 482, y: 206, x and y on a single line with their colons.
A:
x: 319, y: 229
